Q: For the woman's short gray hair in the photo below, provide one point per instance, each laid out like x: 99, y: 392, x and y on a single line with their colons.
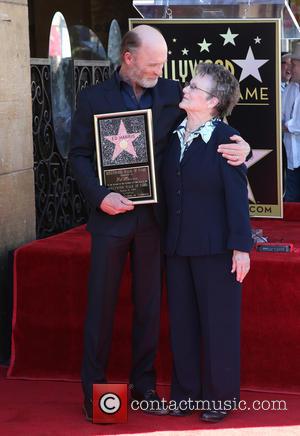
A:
x: 224, y: 86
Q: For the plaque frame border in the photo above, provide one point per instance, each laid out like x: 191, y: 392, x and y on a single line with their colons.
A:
x: 147, y: 113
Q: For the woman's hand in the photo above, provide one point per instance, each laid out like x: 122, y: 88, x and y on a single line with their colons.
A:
x: 240, y: 264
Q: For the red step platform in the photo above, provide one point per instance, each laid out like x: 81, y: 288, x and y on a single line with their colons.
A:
x: 50, y: 277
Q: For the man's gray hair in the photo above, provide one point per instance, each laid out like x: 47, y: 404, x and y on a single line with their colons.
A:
x: 130, y: 42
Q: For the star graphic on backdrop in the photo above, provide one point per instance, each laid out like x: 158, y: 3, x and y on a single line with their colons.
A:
x: 123, y: 141
x: 257, y: 155
x: 250, y: 65
x: 185, y: 52
x: 204, y: 45
x: 257, y: 40
x: 250, y: 193
x: 229, y: 37
x: 174, y: 40
x: 169, y: 52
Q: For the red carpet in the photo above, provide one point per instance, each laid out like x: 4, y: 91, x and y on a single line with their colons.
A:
x: 40, y: 408
x: 49, y: 305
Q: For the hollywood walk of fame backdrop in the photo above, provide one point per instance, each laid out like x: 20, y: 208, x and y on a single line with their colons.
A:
x: 125, y: 156
x: 250, y: 49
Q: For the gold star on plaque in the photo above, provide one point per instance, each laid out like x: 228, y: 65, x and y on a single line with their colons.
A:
x: 257, y: 155
x: 123, y: 141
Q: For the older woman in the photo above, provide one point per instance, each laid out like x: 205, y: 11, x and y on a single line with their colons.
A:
x: 207, y: 243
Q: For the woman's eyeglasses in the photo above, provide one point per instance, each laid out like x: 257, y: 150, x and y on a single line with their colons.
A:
x: 194, y: 87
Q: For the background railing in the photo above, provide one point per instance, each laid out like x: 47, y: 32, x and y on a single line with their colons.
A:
x: 59, y: 202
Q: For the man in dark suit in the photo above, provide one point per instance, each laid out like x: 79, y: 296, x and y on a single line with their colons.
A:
x: 116, y: 227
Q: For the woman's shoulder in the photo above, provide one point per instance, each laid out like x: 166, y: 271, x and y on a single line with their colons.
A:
x: 226, y: 130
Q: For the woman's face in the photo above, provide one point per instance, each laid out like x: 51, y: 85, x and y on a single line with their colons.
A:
x: 197, y: 96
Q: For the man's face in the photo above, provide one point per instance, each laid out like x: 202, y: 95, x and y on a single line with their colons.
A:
x: 146, y: 65
x: 286, y: 70
x: 296, y: 70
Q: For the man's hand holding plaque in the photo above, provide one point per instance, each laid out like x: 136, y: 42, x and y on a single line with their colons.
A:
x: 115, y: 203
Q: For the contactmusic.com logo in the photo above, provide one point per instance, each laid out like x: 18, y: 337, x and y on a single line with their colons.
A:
x: 110, y: 403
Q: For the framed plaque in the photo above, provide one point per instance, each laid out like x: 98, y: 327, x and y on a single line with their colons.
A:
x: 125, y: 157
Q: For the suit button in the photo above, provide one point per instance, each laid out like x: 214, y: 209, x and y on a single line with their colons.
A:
x: 178, y: 212
x: 178, y: 173
x: 178, y: 192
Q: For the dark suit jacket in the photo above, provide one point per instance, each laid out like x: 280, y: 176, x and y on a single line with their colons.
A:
x: 106, y: 98
x: 206, y: 198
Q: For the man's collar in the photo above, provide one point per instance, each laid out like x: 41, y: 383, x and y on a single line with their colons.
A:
x: 118, y: 77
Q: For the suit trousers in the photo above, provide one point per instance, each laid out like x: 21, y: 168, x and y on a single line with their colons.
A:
x: 108, y: 256
x: 204, y: 302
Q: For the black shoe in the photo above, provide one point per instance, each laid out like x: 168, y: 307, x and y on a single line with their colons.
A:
x: 179, y: 412
x: 87, y: 409
x: 214, y: 415
x: 155, y: 404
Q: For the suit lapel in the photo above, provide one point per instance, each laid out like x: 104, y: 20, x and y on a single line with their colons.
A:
x: 175, y: 148
x: 157, y: 105
x: 113, y: 96
x: 197, y: 144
